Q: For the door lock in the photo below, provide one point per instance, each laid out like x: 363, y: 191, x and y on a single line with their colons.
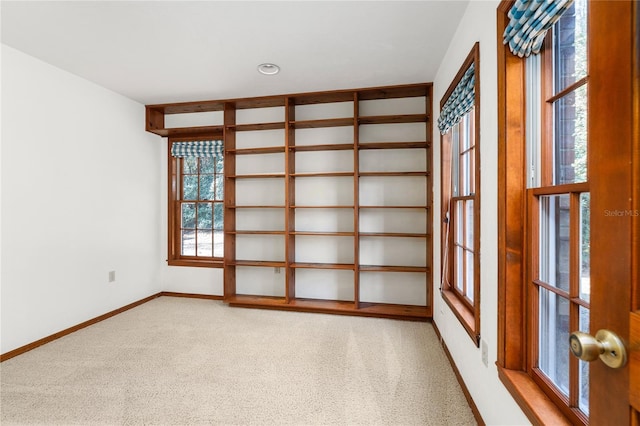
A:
x: 606, y: 345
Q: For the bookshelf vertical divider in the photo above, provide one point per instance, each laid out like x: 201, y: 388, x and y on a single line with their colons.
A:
x: 229, y: 135
x: 356, y: 202
x: 290, y: 198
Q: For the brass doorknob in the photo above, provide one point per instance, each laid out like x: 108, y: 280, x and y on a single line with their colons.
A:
x: 606, y: 345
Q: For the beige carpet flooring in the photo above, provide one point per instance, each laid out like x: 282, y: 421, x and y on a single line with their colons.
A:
x: 177, y: 361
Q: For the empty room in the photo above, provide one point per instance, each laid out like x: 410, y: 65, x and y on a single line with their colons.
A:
x: 320, y: 212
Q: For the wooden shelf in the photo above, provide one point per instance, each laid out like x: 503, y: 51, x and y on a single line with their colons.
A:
x: 257, y: 126
x: 254, y: 207
x: 393, y: 234
x: 399, y: 174
x: 189, y: 131
x: 256, y: 232
x: 394, y: 119
x: 394, y: 207
x: 385, y: 268
x: 328, y: 234
x: 263, y: 150
x: 309, y: 265
x: 263, y: 263
x: 254, y: 301
x: 257, y: 176
x: 326, y: 147
x: 381, y: 310
x: 322, y: 174
x: 393, y: 145
x: 321, y: 207
x: 328, y: 122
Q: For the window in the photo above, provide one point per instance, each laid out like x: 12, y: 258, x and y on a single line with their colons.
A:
x: 461, y: 197
x: 544, y: 213
x: 196, y: 203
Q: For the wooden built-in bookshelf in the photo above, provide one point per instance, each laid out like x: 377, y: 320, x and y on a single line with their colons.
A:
x: 351, y: 178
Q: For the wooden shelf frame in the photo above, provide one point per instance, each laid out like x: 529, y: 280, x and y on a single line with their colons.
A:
x: 229, y: 128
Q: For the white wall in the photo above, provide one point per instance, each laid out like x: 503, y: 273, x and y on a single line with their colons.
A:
x: 494, y: 402
x: 79, y: 199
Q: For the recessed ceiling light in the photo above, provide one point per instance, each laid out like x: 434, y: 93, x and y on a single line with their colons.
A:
x: 268, y: 69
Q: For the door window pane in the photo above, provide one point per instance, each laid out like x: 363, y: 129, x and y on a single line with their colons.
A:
x: 554, y: 240
x: 583, y: 366
x: 553, y: 350
x: 570, y: 129
x: 570, y: 46
x: 585, y: 233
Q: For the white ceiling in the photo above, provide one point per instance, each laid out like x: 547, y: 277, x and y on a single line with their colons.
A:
x: 172, y: 51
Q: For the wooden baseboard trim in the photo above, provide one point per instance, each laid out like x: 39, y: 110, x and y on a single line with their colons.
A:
x: 190, y: 295
x: 465, y: 391
x: 55, y: 336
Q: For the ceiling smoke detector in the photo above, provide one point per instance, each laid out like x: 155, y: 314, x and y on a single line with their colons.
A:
x: 268, y: 69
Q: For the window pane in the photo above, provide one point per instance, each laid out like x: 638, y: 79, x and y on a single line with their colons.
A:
x: 469, y: 225
x: 218, y: 216
x: 188, y: 242
x: 553, y: 351
x: 583, y: 367
x: 459, y: 262
x: 190, y: 165
x: 188, y: 215
x: 206, y: 187
x: 471, y: 185
x: 570, y: 136
x: 570, y: 46
x: 190, y: 187
x: 554, y: 240
x: 205, y: 216
x: 459, y: 222
x: 219, y: 162
x: 207, y: 165
x: 455, y: 166
x: 219, y: 195
x: 465, y: 129
x: 464, y: 174
x: 205, y: 243
x: 218, y: 244
x: 469, y: 264
x: 585, y: 250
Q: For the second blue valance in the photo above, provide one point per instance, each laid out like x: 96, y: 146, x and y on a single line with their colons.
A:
x: 460, y: 102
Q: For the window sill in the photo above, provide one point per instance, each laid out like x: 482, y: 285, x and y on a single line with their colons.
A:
x: 464, y: 314
x: 199, y: 263
x: 538, y: 408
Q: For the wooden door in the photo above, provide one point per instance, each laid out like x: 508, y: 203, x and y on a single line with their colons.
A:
x: 614, y: 175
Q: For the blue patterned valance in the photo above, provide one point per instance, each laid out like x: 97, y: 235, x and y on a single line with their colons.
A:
x: 529, y: 21
x: 197, y: 149
x: 460, y: 102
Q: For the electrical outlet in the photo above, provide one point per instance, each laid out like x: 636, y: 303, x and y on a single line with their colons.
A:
x: 276, y: 270
x: 112, y: 276
x: 485, y: 353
